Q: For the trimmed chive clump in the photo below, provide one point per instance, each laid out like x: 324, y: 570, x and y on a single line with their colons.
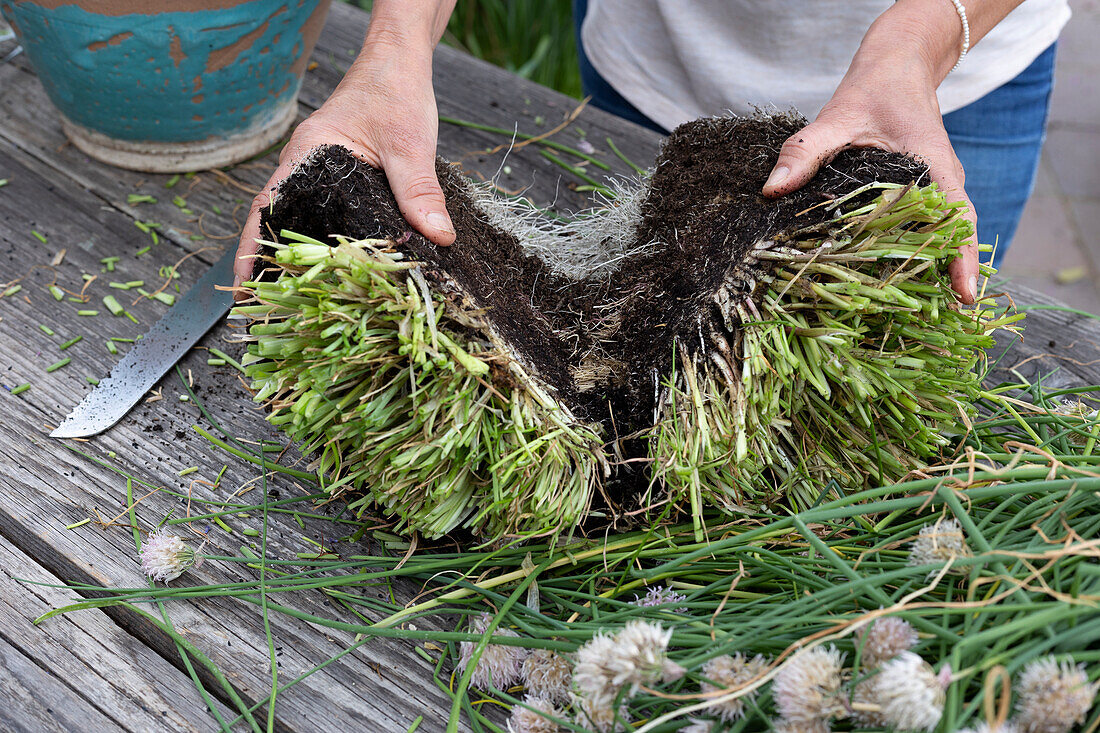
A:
x: 406, y: 399
x: 688, y: 346
x: 851, y: 360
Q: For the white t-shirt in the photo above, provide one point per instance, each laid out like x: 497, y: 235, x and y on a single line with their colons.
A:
x: 676, y: 60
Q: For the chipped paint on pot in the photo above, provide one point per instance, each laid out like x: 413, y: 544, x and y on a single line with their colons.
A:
x: 170, y: 85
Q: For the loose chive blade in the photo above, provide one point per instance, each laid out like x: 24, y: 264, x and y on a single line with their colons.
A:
x: 70, y: 342
x: 94, y: 382
x: 21, y: 388
x: 111, y: 347
x: 56, y: 292
x: 142, y: 251
x: 172, y: 181
x: 39, y: 236
x: 46, y: 329
x: 188, y: 471
x: 166, y: 298
x: 122, y: 339
x: 58, y: 364
x: 134, y: 283
x: 118, y: 286
x: 140, y: 198
x: 87, y: 313
x: 113, y: 305
x: 11, y: 291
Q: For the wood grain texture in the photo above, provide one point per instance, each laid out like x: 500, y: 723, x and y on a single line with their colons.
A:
x: 83, y: 207
x: 110, y: 674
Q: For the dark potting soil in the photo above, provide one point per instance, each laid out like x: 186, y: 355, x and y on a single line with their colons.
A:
x: 703, y: 212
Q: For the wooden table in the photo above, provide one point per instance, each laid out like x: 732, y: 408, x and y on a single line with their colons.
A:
x: 103, y: 670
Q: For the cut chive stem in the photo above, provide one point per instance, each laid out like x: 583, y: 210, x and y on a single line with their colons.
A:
x: 58, y: 364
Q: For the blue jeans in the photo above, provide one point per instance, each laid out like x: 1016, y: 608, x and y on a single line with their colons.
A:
x: 997, y: 139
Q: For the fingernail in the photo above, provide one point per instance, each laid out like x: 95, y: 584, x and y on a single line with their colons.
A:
x: 439, y: 220
x: 778, y: 176
x: 973, y: 283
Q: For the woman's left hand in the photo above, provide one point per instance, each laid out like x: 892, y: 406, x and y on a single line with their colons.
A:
x: 887, y: 100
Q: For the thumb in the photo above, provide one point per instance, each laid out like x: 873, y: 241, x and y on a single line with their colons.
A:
x: 803, y: 154
x: 946, y: 171
x: 416, y: 188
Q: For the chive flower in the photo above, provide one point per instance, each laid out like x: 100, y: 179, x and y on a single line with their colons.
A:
x: 660, y: 595
x: 165, y: 557
x: 600, y: 714
x: 632, y: 657
x: 731, y: 671
x: 806, y: 689
x: 1051, y: 697
x: 907, y: 693
x: 608, y: 664
x: 537, y: 720
x: 939, y: 542
x: 547, y: 674
x: 499, y: 665
x: 884, y: 639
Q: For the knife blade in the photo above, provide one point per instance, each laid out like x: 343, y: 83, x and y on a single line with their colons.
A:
x: 154, y: 354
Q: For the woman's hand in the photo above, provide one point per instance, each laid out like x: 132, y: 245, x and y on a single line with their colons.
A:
x: 888, y: 100
x: 384, y: 112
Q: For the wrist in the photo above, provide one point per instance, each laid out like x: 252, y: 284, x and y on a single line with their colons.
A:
x: 924, y: 35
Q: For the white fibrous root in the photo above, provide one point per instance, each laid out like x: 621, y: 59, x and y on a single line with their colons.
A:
x: 499, y: 665
x: 1052, y: 697
x: 884, y: 639
x: 165, y: 557
x: 728, y: 672
x: 905, y: 694
x: 536, y: 718
x: 939, y: 542
x: 547, y: 674
x: 807, y: 688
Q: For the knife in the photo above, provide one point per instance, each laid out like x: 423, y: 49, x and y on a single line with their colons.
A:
x: 154, y: 354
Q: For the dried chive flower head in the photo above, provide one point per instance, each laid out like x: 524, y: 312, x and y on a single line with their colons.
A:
x: 1006, y: 727
x: 782, y: 725
x: 908, y: 693
x: 939, y: 542
x: 1052, y: 697
x: 660, y: 595
x: 538, y: 720
x: 165, y: 557
x: 634, y: 656
x: 499, y: 665
x: 884, y: 639
x: 726, y: 672
x: 600, y: 715
x: 806, y: 689
x: 547, y: 674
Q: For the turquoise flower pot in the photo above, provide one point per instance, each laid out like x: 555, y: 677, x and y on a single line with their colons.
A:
x: 170, y: 85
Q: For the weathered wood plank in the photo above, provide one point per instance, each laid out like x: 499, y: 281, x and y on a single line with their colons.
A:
x: 34, y: 700
x: 1059, y: 345
x: 105, y: 668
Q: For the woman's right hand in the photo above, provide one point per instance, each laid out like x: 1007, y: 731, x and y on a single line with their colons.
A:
x: 384, y: 112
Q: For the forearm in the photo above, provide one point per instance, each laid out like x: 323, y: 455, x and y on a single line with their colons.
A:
x: 929, y: 33
x: 401, y: 33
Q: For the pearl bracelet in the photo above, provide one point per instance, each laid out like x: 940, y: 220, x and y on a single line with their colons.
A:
x: 961, y: 10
